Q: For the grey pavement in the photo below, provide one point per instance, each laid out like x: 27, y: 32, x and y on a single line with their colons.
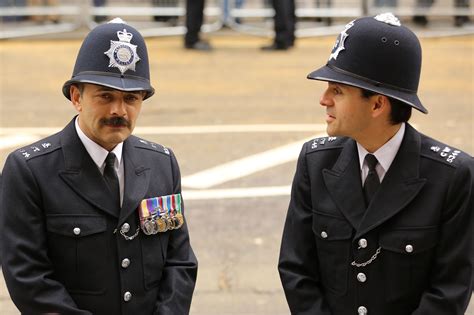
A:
x: 236, y: 239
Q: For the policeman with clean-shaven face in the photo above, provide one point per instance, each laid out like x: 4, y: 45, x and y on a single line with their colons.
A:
x: 380, y: 217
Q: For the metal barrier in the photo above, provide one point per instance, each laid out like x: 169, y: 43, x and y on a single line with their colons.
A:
x: 161, y: 11
x: 166, y: 17
x: 18, y: 21
x: 152, y: 17
x: 315, y: 17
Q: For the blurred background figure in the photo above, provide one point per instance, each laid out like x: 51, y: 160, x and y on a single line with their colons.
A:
x: 171, y: 20
x: 44, y: 18
x: 194, y: 19
x: 459, y: 20
x: 100, y: 18
x: 226, y: 10
x: 422, y: 20
x: 12, y: 3
x: 324, y: 4
x: 284, y: 25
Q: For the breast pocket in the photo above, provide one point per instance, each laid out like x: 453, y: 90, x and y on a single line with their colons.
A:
x: 333, y: 239
x: 407, y: 259
x: 78, y: 251
x: 153, y: 256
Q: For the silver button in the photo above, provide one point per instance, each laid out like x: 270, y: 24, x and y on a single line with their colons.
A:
x: 409, y: 248
x: 324, y: 234
x: 361, y: 277
x: 125, y: 263
x: 127, y: 296
x: 362, y: 310
x: 362, y: 243
x: 125, y: 228
x: 76, y: 231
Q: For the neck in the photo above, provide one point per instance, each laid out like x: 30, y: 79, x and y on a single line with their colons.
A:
x: 375, y: 139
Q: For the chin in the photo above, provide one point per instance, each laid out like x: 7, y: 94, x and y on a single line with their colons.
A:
x: 331, y: 132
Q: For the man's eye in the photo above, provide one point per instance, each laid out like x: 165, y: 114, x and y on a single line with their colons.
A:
x: 106, y: 96
x: 131, y: 98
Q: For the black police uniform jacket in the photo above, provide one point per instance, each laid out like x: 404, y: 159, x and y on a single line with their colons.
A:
x: 419, y: 222
x: 52, y: 187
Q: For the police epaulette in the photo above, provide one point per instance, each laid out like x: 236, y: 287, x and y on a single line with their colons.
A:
x: 322, y: 143
x: 145, y: 144
x: 38, y: 148
x: 441, y: 152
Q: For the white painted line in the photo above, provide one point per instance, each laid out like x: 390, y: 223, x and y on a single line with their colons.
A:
x: 197, y: 129
x: 249, y: 192
x: 17, y: 140
x: 245, y: 166
x: 39, y: 131
x: 230, y: 129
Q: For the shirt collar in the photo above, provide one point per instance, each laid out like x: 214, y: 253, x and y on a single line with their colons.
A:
x: 96, y: 152
x: 386, y: 153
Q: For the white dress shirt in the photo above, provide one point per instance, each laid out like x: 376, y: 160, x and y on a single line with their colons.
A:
x: 98, y: 155
x: 385, y: 155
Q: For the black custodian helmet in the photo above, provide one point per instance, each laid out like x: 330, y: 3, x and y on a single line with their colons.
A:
x: 377, y: 54
x: 113, y: 55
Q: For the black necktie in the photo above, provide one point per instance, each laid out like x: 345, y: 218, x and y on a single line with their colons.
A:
x: 372, y: 182
x: 111, y: 178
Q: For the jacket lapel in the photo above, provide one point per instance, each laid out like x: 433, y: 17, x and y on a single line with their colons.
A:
x: 137, y: 178
x: 400, y: 185
x: 81, y: 173
x: 344, y: 184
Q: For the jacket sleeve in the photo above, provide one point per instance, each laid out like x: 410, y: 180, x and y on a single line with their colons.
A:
x: 298, y: 263
x: 180, y: 270
x: 26, y: 267
x: 450, y: 287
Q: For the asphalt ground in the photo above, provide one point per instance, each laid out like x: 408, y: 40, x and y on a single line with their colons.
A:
x: 253, y: 102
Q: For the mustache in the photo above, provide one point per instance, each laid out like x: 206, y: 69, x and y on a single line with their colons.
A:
x: 115, y: 122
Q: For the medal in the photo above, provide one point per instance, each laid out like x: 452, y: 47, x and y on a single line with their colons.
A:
x: 180, y: 219
x: 161, y: 214
x: 148, y: 227
x: 161, y: 225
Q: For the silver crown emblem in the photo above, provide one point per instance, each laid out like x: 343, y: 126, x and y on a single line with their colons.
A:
x: 122, y: 54
x: 339, y: 45
x: 124, y: 36
x: 388, y: 18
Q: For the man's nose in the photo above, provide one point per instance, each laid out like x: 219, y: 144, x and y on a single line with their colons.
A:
x: 325, y: 100
x: 118, y: 108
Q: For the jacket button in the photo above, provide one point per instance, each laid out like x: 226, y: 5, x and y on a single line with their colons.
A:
x: 125, y: 228
x: 362, y: 243
x: 324, y: 234
x: 409, y: 248
x: 76, y: 231
x: 362, y: 310
x: 125, y: 263
x: 361, y: 277
x: 127, y: 296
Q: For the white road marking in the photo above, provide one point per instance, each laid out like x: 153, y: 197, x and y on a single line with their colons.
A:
x: 230, y: 129
x: 17, y: 137
x: 249, y: 192
x: 245, y: 166
x: 17, y: 140
x: 197, y: 129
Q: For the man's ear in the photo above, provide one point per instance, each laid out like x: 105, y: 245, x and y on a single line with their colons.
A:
x: 381, y: 105
x: 75, y: 97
